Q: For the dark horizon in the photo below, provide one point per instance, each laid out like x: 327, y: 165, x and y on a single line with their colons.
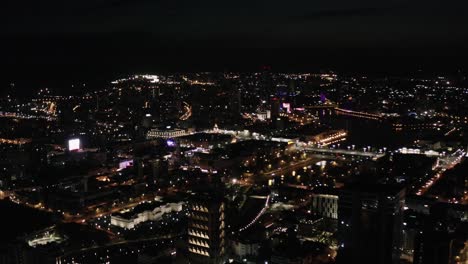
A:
x: 108, y: 38
x: 107, y: 64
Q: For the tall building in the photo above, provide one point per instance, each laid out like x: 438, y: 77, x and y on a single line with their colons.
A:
x: 266, y: 86
x: 370, y: 220
x: 442, y: 238
x: 235, y: 102
x: 155, y: 103
x: 234, y: 99
x: 159, y: 172
x: 325, y: 205
x: 275, y: 108
x: 139, y: 167
x: 292, y: 91
x: 206, y: 237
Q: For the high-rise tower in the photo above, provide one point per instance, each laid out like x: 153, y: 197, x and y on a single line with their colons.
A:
x: 370, y: 220
x: 206, y: 238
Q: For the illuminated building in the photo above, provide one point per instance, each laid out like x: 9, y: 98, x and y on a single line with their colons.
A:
x: 142, y: 213
x: 325, y: 205
x: 329, y: 137
x: 44, y: 237
x: 168, y: 132
x: 206, y: 238
x: 264, y: 115
x: 244, y: 248
x: 205, y: 140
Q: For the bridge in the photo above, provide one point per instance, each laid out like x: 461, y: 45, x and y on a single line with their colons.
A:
x: 369, y: 154
x: 260, y: 213
x: 324, y: 106
x: 334, y: 106
x: 359, y: 114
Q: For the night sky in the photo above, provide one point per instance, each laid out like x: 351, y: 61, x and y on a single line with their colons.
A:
x: 89, y: 36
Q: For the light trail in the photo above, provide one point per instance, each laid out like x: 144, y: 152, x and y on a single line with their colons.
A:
x: 188, y: 112
x: 440, y: 169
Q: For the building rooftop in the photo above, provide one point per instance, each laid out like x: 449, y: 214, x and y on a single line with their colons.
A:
x: 143, y: 207
x: 206, y: 137
x: 373, y: 188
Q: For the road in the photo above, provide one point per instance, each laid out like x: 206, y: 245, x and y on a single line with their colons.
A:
x: 114, y: 209
x: 443, y: 164
x: 296, y: 165
x: 121, y: 242
x: 68, y: 218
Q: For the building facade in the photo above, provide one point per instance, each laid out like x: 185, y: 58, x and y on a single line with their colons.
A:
x: 166, y: 133
x: 370, y: 220
x: 206, y: 237
x: 130, y: 219
x: 325, y: 205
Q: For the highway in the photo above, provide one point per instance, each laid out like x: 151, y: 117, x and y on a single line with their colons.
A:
x: 443, y: 164
x: 119, y: 243
x: 295, y: 166
x: 114, y: 209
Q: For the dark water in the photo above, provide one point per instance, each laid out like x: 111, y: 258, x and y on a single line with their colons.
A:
x: 365, y: 132
x: 21, y: 220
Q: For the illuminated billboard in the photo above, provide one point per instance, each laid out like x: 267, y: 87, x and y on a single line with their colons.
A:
x: 171, y: 143
x: 287, y: 106
x: 125, y: 164
x: 74, y: 144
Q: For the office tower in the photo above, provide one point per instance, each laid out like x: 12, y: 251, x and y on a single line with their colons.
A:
x: 155, y: 103
x: 235, y: 102
x: 233, y: 98
x: 370, y: 219
x: 292, y: 92
x: 442, y: 238
x: 325, y: 205
x: 275, y: 108
x: 139, y: 167
x: 206, y: 241
x: 266, y: 86
x: 147, y: 121
x: 159, y: 172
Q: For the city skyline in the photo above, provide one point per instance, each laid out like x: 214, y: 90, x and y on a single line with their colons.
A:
x: 272, y: 132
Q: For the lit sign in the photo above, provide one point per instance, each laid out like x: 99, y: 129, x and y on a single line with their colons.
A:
x: 74, y: 144
x: 125, y: 164
x: 287, y: 106
x: 170, y: 143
